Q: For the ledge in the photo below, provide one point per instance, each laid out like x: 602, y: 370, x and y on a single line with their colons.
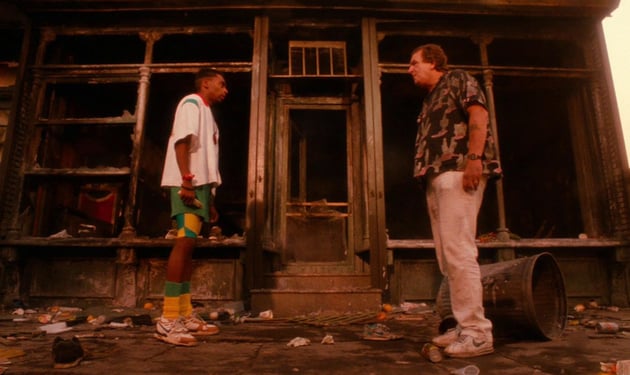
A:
x: 79, y: 172
x: 239, y: 242
x: 522, y: 243
x: 117, y: 242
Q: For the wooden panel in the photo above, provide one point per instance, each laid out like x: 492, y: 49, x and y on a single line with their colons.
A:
x: 211, y: 279
x: 416, y: 280
x: 72, y: 278
x: 585, y: 278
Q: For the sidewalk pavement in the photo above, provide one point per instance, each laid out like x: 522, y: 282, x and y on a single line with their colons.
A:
x: 261, y: 346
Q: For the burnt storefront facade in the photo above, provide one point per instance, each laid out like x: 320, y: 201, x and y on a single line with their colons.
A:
x: 318, y: 207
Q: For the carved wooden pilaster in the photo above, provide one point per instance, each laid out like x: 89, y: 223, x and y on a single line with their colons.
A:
x: 129, y: 229
x: 15, y: 177
x: 126, y: 279
x: 47, y: 36
x: 503, y: 233
x: 613, y: 167
x: 150, y: 37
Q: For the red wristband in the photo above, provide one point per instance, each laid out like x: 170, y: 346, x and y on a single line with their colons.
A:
x: 188, y: 177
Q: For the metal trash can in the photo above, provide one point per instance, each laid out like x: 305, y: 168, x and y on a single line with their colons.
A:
x: 524, y: 298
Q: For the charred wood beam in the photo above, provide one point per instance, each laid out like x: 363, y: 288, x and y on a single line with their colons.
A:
x: 534, y: 243
x: 129, y: 72
x: 116, y: 242
x: 502, y: 70
x: 585, y: 8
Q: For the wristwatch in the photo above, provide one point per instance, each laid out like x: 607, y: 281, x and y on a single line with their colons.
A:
x: 473, y: 157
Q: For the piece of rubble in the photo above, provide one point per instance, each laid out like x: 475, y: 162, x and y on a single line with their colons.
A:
x: 299, y: 341
x: 55, y: 328
x: 328, y: 340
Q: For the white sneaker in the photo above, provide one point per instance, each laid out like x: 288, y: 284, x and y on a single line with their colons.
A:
x: 447, y: 338
x: 172, y: 331
x: 199, y: 327
x: 468, y: 346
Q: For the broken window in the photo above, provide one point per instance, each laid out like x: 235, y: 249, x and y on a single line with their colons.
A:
x: 318, y: 181
x: 95, y: 49
x: 82, y: 146
x: 203, y: 47
x: 539, y: 97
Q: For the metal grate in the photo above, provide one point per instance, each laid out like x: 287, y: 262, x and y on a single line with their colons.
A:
x: 317, y: 58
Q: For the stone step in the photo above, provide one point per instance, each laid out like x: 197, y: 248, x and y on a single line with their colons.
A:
x: 285, y: 303
x: 315, y: 281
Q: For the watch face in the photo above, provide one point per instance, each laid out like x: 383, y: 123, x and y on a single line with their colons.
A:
x: 473, y: 156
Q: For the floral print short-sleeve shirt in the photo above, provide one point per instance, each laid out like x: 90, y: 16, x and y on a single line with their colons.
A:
x: 442, y: 138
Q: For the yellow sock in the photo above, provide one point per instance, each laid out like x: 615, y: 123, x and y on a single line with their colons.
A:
x: 172, y: 293
x: 185, y: 300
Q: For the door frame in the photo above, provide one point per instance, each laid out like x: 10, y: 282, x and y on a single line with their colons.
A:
x: 280, y: 183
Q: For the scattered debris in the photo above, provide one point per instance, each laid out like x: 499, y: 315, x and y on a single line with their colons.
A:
x: 415, y: 308
x: 7, y: 354
x: 18, y: 311
x: 328, y: 340
x: 299, y: 341
x: 86, y: 230
x: 216, y: 234
x: 171, y: 234
x: 608, y: 367
x: 67, y: 309
x: 55, y: 328
x: 45, y: 318
x: 378, y: 332
x: 431, y: 352
x: 62, y: 234
x: 96, y: 321
x: 90, y: 336
x: 494, y: 236
x: 122, y: 321
x: 125, y: 324
x: 579, y: 307
x: 607, y: 327
x: 594, y: 305
x: 468, y: 370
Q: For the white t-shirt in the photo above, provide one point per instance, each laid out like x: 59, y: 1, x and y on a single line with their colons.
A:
x: 194, y: 117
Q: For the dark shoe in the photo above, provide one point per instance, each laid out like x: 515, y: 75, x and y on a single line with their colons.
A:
x: 66, y: 353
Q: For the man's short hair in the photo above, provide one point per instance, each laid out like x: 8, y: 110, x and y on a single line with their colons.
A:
x: 205, y: 73
x: 434, y: 54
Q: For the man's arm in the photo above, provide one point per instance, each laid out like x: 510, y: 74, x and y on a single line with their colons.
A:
x: 182, y: 154
x: 477, y: 133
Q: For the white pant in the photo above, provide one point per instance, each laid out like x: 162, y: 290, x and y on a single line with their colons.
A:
x: 453, y: 213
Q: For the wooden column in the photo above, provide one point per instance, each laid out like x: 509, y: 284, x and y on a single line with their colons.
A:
x: 129, y: 229
x: 503, y: 233
x: 374, y: 150
x: 255, y: 210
